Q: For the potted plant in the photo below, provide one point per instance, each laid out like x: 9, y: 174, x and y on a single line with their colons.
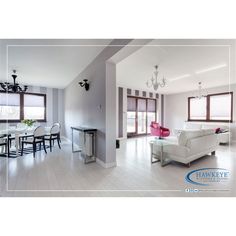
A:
x: 29, y: 122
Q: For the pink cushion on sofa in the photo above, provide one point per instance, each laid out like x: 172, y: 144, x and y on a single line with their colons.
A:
x: 217, y: 130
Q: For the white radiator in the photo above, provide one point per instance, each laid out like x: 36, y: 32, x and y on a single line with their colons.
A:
x: 89, y: 144
x: 86, y: 143
x: 81, y: 141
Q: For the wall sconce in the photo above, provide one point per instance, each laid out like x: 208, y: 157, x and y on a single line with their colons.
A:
x: 85, y: 84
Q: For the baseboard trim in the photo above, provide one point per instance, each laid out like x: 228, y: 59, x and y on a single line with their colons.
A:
x: 100, y: 162
x: 105, y: 165
x: 122, y: 138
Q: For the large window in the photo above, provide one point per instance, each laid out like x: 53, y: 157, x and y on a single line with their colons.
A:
x: 131, y: 115
x: 198, y: 108
x: 140, y: 113
x: 9, y: 106
x: 213, y: 107
x: 15, y: 107
x: 34, y: 107
x: 220, y: 107
x: 142, y: 116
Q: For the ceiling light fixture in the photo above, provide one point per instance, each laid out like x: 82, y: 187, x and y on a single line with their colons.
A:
x: 200, y: 95
x: 15, y: 87
x: 154, y: 82
x: 180, y: 77
x: 211, y: 68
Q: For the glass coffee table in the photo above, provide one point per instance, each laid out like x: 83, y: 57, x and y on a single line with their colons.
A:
x: 157, y: 153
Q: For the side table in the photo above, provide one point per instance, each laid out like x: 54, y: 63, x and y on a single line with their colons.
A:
x: 157, y: 152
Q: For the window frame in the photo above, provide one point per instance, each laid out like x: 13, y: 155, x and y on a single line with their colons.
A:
x: 208, y: 109
x: 22, y: 107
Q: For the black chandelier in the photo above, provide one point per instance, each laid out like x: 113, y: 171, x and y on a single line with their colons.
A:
x: 15, y: 87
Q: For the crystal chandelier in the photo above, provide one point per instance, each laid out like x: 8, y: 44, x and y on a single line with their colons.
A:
x: 154, y: 82
x: 15, y: 87
x: 200, y: 95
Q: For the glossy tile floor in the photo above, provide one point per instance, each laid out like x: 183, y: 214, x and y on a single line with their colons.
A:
x: 62, y: 173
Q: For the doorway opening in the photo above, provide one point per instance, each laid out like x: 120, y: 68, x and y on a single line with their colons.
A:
x: 140, y: 113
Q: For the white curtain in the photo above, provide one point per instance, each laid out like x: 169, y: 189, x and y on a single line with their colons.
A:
x: 220, y: 107
x: 198, y: 108
x: 33, y: 101
x: 8, y: 99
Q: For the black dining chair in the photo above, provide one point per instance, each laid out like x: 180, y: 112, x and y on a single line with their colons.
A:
x: 37, y: 138
x: 5, y: 144
x: 54, y: 135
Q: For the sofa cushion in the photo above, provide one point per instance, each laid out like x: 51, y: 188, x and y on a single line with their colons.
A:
x: 192, y: 126
x: 207, y: 132
x: 217, y: 130
x: 215, y: 126
x: 185, y: 135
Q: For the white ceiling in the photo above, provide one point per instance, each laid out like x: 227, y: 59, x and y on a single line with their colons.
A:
x: 50, y: 66
x: 176, y: 59
x: 56, y: 66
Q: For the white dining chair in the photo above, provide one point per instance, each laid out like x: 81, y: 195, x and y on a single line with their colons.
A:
x: 59, y: 131
x: 37, y: 138
x: 54, y: 135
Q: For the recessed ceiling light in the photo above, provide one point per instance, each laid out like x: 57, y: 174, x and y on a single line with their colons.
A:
x: 211, y: 68
x: 180, y: 77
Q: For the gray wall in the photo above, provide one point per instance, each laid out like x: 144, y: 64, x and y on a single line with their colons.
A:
x: 55, y: 104
x: 176, y: 108
x: 89, y: 108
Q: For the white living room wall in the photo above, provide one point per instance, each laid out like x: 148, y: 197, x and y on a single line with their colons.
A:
x: 176, y: 108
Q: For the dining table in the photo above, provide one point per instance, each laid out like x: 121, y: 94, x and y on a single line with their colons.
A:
x: 17, y: 132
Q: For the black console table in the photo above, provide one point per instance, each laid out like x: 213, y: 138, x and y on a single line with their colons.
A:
x: 90, y: 131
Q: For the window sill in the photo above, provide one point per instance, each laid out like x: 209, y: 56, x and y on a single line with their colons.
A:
x: 210, y: 121
x: 19, y: 121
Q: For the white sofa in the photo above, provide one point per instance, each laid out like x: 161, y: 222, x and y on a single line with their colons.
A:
x: 189, y: 146
x: 223, y: 137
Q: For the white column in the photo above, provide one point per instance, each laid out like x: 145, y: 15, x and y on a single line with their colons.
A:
x: 110, y: 115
